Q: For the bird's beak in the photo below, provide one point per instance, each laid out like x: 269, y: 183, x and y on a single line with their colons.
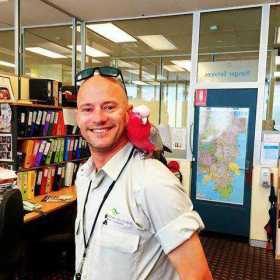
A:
x: 144, y: 120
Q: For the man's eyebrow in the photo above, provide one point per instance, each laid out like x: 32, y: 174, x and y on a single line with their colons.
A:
x: 86, y: 105
x: 110, y: 102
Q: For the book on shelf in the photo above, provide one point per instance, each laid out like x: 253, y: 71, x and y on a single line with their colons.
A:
x: 35, y: 122
x: 56, y: 150
x: 47, y: 179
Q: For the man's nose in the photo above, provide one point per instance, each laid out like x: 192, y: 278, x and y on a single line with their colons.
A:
x: 99, y: 116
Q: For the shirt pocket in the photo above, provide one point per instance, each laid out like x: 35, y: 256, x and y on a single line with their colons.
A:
x: 121, y: 241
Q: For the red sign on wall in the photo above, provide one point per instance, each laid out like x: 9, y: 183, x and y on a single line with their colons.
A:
x: 200, y: 97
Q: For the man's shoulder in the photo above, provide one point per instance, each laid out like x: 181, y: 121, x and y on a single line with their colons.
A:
x: 149, y: 171
x: 148, y: 165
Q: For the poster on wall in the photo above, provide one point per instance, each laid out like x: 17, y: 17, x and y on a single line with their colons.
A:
x: 222, y: 154
x: 6, y: 91
x: 6, y: 147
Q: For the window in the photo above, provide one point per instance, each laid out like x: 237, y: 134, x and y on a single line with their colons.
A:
x: 229, y: 46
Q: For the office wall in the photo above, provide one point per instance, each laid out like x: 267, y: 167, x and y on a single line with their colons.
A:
x: 260, y: 205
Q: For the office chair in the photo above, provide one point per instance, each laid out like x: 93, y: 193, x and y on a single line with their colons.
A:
x: 54, y: 248
x: 11, y: 225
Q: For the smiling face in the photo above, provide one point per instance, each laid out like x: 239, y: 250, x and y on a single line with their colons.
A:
x: 102, y: 114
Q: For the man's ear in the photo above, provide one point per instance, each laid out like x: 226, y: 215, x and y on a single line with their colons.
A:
x: 130, y: 107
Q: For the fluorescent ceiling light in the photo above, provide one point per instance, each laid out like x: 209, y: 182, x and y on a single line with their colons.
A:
x: 185, y: 64
x: 3, y: 1
x: 154, y: 83
x: 139, y: 83
x: 124, y: 64
x: 90, y: 51
x: 95, y: 61
x: 7, y: 64
x: 45, y: 52
x: 276, y: 74
x: 133, y: 71
x: 277, y: 60
x: 111, y: 32
x: 173, y: 68
x: 157, y: 42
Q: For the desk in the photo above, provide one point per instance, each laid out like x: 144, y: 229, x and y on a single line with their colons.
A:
x: 48, y: 207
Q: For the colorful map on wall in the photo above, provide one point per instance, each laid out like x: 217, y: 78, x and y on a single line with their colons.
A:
x: 222, y: 154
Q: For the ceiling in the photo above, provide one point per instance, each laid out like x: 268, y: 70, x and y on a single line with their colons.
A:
x: 235, y: 39
x: 35, y: 12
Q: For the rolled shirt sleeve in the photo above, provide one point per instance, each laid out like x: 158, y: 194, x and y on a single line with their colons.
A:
x: 168, y: 207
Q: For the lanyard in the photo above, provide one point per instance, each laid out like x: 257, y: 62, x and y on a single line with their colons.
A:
x: 78, y: 274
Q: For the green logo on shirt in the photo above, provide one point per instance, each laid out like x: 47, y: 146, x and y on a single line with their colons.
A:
x: 114, y: 212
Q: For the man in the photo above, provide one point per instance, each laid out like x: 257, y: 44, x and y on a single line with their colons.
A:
x: 134, y: 221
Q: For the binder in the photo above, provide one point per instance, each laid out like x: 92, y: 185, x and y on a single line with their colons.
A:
x: 61, y: 126
x: 38, y: 123
x: 22, y: 122
x: 33, y: 124
x: 44, y: 180
x: 31, y: 181
x: 66, y: 148
x: 71, y: 146
x: 35, y: 151
x: 47, y: 151
x: 27, y: 149
x: 38, y: 182
x: 78, y: 151
x: 57, y: 151
x: 48, y: 154
x: 55, y: 124
x: 62, y: 178
x: 61, y: 152
x: 75, y: 148
x: 47, y: 123
x: 51, y: 123
x: 54, y: 149
x: 57, y: 179
x: 29, y: 123
x: 23, y: 184
x: 39, y: 156
x: 43, y: 122
x: 50, y: 179
x: 69, y: 173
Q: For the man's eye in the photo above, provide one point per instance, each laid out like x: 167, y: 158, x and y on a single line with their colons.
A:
x: 86, y: 109
x: 109, y: 107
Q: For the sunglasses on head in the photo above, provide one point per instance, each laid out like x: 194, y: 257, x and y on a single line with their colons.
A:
x: 105, y: 71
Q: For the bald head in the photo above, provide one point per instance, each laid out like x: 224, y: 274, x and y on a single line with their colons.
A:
x: 99, y: 85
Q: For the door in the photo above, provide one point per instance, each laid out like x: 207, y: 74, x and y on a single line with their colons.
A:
x: 223, y: 150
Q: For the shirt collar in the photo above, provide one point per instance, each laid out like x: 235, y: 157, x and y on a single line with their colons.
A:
x: 113, y: 167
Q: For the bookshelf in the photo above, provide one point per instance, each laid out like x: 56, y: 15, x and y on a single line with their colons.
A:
x: 37, y: 143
